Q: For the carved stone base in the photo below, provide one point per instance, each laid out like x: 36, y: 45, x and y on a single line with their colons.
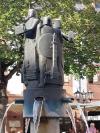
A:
x: 48, y: 92
x: 52, y: 106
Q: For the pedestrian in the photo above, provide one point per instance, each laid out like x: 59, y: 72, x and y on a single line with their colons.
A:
x: 92, y: 128
x: 97, y: 131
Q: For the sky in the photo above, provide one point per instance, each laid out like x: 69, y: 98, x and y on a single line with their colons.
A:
x: 14, y: 85
x: 76, y: 84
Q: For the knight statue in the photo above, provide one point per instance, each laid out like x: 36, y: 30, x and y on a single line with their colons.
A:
x: 42, y: 71
x: 49, y: 48
x: 30, y: 63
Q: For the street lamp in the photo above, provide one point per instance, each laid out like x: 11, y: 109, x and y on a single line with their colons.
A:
x: 78, y: 95
x: 83, y: 96
x: 90, y: 95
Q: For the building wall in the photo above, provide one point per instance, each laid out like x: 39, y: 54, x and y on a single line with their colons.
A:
x: 14, y: 122
x: 94, y: 86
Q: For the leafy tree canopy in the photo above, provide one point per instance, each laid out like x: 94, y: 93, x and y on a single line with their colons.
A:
x: 79, y: 55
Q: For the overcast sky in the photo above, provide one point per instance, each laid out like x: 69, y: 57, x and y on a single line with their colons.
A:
x: 15, y: 86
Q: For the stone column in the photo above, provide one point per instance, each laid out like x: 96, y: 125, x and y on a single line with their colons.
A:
x: 50, y: 125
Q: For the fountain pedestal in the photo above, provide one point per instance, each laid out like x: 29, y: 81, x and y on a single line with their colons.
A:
x: 50, y: 125
x: 53, y: 108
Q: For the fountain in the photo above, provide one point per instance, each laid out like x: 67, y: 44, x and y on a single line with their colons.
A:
x: 83, y: 117
x: 70, y: 113
x: 37, y: 111
x: 42, y: 73
x: 27, y: 120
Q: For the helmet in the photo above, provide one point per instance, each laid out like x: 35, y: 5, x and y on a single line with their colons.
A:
x: 56, y: 23
x: 47, y: 21
x: 32, y: 13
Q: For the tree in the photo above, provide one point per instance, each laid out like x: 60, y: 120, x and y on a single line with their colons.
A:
x: 10, y: 47
x: 79, y: 55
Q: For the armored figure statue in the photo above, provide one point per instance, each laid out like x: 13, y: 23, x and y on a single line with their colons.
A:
x: 49, y: 47
x: 30, y: 64
x: 43, y: 56
x: 44, y: 48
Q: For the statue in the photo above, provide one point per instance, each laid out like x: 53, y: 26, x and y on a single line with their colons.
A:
x: 43, y: 56
x: 49, y: 46
x: 43, y: 47
x: 30, y: 63
x: 42, y: 71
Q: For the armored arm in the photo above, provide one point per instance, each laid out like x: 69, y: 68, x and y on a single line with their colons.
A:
x: 69, y: 37
x: 64, y: 36
x: 24, y: 27
x: 20, y: 29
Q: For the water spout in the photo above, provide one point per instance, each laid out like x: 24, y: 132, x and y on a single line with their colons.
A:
x: 27, y: 121
x: 37, y: 112
x: 7, y: 109
x: 83, y: 117
x: 70, y: 113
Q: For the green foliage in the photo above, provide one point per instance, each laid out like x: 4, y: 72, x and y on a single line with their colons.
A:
x: 79, y: 55
x: 11, y: 12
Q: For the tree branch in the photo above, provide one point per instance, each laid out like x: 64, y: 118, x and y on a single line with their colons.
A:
x: 15, y: 69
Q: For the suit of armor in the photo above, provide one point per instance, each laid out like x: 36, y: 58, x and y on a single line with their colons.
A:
x: 30, y: 63
x: 49, y: 47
